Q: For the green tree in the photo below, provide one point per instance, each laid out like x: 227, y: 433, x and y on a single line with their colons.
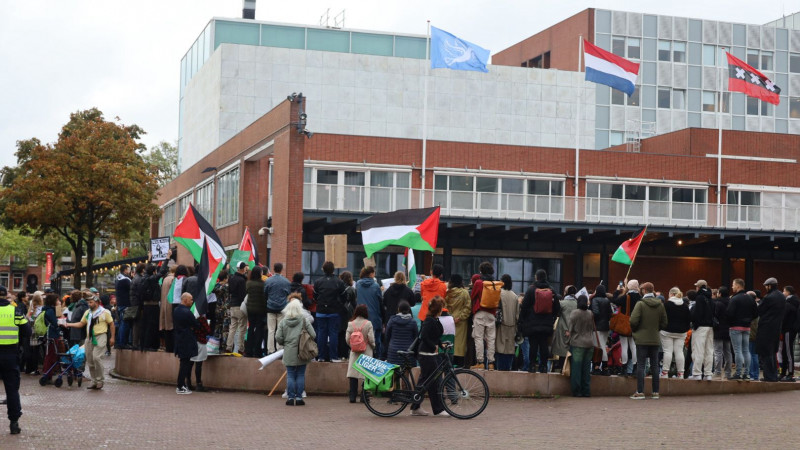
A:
x: 164, y: 159
x: 92, y: 181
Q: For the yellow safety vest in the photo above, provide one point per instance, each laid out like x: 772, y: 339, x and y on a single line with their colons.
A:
x: 9, y: 325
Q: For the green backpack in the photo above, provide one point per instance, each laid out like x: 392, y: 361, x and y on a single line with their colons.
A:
x: 39, y: 326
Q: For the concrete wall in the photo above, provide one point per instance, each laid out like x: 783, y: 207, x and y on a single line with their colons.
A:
x: 225, y: 372
x: 382, y: 96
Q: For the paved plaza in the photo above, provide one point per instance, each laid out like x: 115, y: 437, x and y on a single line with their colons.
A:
x: 148, y: 416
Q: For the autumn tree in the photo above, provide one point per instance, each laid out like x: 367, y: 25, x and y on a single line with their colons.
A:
x: 92, y: 181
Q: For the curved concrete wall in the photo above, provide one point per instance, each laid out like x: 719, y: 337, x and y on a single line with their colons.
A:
x: 242, y: 374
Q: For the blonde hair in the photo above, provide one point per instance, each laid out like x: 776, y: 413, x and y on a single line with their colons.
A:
x: 675, y: 292
x: 294, y: 308
x: 37, y: 299
x: 399, y: 278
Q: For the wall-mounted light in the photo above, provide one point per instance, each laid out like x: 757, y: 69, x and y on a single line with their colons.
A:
x: 680, y: 242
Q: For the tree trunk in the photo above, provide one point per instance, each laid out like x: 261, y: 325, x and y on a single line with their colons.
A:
x: 89, y: 261
x: 78, y: 249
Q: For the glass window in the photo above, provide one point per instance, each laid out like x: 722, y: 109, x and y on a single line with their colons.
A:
x: 659, y: 194
x: 354, y: 178
x: 409, y: 47
x: 752, y: 58
x: 204, y: 199
x: 633, y: 192
x: 695, y: 77
x: 327, y: 176
x: 4, y: 276
x: 752, y: 106
x: 615, y: 138
x: 633, y: 100
x: 695, y: 100
x: 538, y: 187
x: 601, y: 117
x: 634, y: 48
x: 403, y: 180
x: 726, y: 102
x: 617, y: 97
x: 709, y: 53
x: 285, y: 37
x: 766, y: 108
x: 678, y: 99
x: 766, y: 60
x: 235, y: 33
x: 794, y: 108
x: 739, y: 34
x: 485, y: 184
x: 440, y: 182
x: 228, y: 198
x: 695, y: 53
x: 650, y: 26
x: 682, y: 195
x: 794, y: 62
x: 168, y: 220
x: 372, y: 44
x: 328, y: 40
x: 512, y: 186
x: 649, y: 52
x: 380, y: 179
x: 618, y: 45
x: 664, y: 50
x: 695, y: 30
x: 460, y: 183
x: 709, y: 101
x: 649, y: 72
x: 663, y: 97
x: 649, y: 96
x: 679, y: 51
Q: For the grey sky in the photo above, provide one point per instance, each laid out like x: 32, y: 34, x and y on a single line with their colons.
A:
x: 124, y: 57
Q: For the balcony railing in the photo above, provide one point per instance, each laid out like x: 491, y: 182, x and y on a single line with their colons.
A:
x: 492, y: 205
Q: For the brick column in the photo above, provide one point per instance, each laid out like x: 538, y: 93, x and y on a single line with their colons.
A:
x: 287, y: 197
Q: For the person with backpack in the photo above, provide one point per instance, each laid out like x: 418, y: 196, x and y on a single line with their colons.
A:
x: 360, y: 336
x: 625, y: 299
x: 485, y: 301
x: 288, y: 334
x: 538, y: 313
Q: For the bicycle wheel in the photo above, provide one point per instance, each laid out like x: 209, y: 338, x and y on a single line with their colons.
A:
x: 464, y: 394
x: 381, y: 403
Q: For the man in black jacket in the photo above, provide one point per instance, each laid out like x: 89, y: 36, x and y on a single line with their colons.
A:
x: 703, y: 333
x: 789, y: 333
x: 722, y: 337
x: 122, y: 289
x: 539, y: 326
x: 742, y: 311
x: 236, y: 293
x: 329, y: 292
x: 770, y: 311
x: 136, y: 301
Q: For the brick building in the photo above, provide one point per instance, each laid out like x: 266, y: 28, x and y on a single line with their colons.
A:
x: 500, y: 160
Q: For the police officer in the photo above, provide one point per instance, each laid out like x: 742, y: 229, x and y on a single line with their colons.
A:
x: 11, y: 319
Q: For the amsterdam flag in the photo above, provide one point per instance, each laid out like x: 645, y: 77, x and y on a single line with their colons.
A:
x: 626, y: 252
x: 743, y: 78
x: 413, y: 228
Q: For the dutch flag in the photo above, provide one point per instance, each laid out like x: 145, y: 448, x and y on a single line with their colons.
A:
x: 609, y: 69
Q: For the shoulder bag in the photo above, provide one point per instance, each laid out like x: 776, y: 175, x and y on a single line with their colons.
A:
x: 621, y: 323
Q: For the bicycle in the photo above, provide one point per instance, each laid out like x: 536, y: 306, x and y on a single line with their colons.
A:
x: 463, y: 392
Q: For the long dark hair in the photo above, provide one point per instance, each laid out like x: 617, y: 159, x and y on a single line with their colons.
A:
x: 255, y: 274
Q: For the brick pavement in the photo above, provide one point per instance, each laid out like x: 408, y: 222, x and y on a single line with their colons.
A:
x: 143, y: 415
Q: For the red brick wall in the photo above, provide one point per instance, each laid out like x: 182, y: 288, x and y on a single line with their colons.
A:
x: 561, y: 40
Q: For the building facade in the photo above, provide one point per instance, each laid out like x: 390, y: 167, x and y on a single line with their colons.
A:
x: 500, y: 157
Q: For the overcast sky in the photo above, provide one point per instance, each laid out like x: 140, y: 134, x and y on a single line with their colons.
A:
x: 123, y: 57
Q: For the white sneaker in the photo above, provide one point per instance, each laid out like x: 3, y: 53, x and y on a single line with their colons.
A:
x: 419, y: 412
x: 443, y: 414
x: 695, y: 377
x: 333, y: 360
x: 182, y: 390
x: 285, y: 394
x: 708, y: 378
x: 304, y: 394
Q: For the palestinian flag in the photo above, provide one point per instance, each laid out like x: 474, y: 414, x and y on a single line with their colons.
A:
x: 626, y: 253
x: 175, y: 290
x: 411, y: 267
x: 416, y: 229
x: 744, y: 78
x: 192, y: 231
x: 210, y: 267
x: 247, y: 252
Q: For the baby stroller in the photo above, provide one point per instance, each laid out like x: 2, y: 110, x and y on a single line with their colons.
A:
x: 69, y: 363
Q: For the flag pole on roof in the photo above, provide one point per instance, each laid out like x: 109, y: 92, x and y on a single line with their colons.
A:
x: 578, y: 130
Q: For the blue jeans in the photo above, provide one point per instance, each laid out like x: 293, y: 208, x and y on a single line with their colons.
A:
x: 328, y: 336
x: 124, y: 328
x: 525, y: 349
x: 295, y: 382
x: 753, y: 360
x: 740, y: 341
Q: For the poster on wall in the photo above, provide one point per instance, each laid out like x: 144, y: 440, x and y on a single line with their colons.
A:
x: 159, y: 247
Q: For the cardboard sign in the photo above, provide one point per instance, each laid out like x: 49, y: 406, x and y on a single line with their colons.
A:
x: 336, y: 249
x: 159, y: 247
x: 369, y: 262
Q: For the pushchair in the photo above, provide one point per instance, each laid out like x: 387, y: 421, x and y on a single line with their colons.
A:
x: 68, y: 363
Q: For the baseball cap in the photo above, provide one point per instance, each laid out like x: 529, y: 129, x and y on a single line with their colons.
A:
x: 771, y: 281
x: 700, y: 283
x: 3, y: 290
x: 94, y: 291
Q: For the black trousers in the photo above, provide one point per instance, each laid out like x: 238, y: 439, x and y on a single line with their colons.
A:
x: 427, y: 366
x: 255, y: 335
x: 9, y: 371
x: 149, y: 320
x: 787, y: 354
x: 539, y: 346
x: 184, y: 372
x: 768, y: 361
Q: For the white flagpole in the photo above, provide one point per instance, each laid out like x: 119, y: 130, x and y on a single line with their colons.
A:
x: 425, y: 115
x: 578, y: 130
x: 719, y: 151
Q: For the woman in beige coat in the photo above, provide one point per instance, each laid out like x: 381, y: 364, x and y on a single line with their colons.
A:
x: 360, y: 321
x: 459, y: 306
x: 165, y: 312
x: 507, y: 331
